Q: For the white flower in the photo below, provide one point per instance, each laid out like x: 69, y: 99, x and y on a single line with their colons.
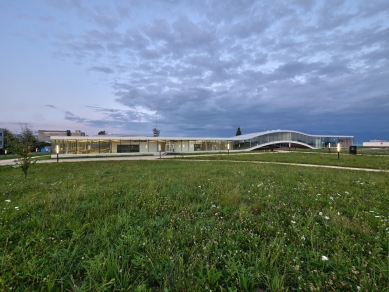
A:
x: 8, y: 201
x: 17, y: 208
x: 318, y: 194
x: 303, y: 237
x: 326, y: 217
x: 320, y: 213
x: 324, y: 258
x: 332, y: 198
x: 294, y: 222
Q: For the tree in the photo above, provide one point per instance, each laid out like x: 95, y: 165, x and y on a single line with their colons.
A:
x: 238, y: 132
x: 102, y: 133
x: 21, y: 147
x: 9, y: 140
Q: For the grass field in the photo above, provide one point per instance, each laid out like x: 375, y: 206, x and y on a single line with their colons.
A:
x: 346, y: 160
x: 172, y: 225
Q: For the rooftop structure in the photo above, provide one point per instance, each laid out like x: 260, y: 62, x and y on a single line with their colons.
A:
x: 142, y: 144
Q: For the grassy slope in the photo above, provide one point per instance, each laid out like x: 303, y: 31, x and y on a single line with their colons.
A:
x: 182, y: 225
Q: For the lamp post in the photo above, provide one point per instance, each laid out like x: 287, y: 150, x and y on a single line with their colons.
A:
x: 57, y: 150
x: 5, y: 152
x: 338, y: 148
x: 228, y: 148
x: 329, y: 147
x: 159, y: 149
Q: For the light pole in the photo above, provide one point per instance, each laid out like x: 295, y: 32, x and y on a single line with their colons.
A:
x: 159, y: 149
x: 338, y: 148
x: 57, y: 150
x: 228, y: 148
x: 5, y: 152
x: 329, y: 147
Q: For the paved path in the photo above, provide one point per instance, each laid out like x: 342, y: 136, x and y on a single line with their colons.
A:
x: 12, y: 162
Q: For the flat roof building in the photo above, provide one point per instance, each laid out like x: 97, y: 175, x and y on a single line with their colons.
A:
x: 45, y: 135
x: 141, y: 144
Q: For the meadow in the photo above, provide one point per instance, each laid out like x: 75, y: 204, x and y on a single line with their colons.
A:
x: 303, y: 157
x: 174, y: 225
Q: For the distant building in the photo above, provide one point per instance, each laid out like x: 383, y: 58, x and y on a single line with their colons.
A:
x: 1, y: 138
x: 44, y: 135
x: 78, y: 133
x: 376, y: 143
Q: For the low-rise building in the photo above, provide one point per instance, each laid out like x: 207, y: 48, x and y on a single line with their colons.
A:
x: 376, y: 143
x: 45, y: 135
x: 141, y: 144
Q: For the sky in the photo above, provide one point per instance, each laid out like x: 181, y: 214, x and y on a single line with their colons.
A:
x: 197, y: 68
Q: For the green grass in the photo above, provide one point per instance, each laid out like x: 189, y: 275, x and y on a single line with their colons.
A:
x: 346, y: 160
x: 170, y: 225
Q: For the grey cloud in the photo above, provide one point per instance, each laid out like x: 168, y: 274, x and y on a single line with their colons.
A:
x: 51, y: 106
x: 72, y: 117
x: 102, y: 69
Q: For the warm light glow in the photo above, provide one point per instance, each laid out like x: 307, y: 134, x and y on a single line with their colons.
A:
x: 338, y: 147
x: 57, y: 149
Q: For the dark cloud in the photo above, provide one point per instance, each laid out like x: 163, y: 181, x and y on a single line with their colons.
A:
x: 51, y: 106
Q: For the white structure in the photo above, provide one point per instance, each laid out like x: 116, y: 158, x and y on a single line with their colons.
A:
x: 376, y: 143
x: 141, y: 144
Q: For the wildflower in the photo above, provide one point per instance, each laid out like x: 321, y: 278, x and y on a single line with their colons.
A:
x: 17, y: 208
x: 318, y: 195
x: 327, y: 218
x: 294, y: 222
x: 8, y: 201
x: 324, y: 258
x: 332, y: 198
x: 320, y: 213
x: 303, y: 237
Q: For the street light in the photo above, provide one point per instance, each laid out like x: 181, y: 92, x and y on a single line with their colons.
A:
x: 57, y: 150
x: 228, y: 148
x: 159, y: 149
x: 5, y: 152
x: 329, y: 147
x: 338, y: 148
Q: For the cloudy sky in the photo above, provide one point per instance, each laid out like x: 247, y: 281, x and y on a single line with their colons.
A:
x: 201, y: 68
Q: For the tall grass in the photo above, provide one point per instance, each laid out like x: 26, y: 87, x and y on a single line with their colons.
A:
x: 189, y: 226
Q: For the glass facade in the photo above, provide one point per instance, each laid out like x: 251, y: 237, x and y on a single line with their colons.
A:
x: 269, y: 139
